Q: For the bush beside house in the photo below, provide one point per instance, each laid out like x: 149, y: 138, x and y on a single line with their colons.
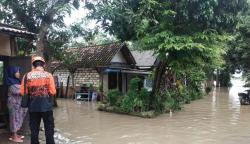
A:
x: 136, y: 101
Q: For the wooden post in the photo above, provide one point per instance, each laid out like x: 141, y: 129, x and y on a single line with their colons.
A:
x: 60, y: 90
x: 101, y: 88
x: 67, y: 87
x: 117, y: 80
x: 13, y: 46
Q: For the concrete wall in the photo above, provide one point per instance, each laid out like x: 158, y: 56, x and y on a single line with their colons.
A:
x: 82, y: 76
x: 105, y: 83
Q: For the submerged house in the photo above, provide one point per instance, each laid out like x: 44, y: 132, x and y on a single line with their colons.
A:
x: 8, y: 57
x: 109, y: 66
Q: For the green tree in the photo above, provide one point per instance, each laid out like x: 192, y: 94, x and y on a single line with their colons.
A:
x: 238, y: 54
x: 183, y: 34
x: 38, y: 16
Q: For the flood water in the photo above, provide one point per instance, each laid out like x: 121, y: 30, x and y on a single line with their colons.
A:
x: 216, y: 119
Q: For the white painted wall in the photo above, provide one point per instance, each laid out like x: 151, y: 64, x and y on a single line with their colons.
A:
x: 105, y: 83
x: 119, y: 58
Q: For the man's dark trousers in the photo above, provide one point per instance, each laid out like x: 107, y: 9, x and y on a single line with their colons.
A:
x: 48, y: 120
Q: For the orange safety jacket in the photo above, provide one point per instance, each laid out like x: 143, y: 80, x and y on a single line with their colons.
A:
x: 40, y: 87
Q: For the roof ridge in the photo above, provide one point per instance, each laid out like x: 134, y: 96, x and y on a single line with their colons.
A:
x: 101, y: 55
x: 97, y: 45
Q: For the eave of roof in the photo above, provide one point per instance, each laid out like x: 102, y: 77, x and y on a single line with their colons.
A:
x: 18, y: 32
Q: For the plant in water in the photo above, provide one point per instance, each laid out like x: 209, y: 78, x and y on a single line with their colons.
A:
x: 113, y: 97
x: 137, y: 99
x: 208, y: 89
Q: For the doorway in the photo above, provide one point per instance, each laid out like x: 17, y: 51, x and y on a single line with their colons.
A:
x: 5, y: 61
x: 115, y: 81
x: 3, y: 90
x: 1, y: 72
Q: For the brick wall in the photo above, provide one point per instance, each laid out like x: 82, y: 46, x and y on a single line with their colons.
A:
x: 82, y: 76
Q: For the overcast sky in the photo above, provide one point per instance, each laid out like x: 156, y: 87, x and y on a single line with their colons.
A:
x: 77, y: 15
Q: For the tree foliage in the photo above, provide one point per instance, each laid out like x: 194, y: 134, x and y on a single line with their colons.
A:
x: 238, y: 54
x: 38, y: 16
x: 46, y: 18
x: 185, y: 35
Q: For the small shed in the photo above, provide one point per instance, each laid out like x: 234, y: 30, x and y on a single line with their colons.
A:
x: 8, y: 57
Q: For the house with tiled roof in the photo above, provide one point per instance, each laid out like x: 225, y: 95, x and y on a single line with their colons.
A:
x: 110, y: 66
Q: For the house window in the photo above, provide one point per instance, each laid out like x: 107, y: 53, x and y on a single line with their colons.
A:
x: 148, y: 84
x: 1, y: 72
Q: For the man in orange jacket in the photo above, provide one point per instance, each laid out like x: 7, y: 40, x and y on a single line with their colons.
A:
x: 40, y: 87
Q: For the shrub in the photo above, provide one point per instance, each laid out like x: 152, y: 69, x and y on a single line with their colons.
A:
x: 196, y: 94
x: 113, y: 96
x: 208, y: 89
x: 168, y: 100
x: 144, y: 96
x: 175, y: 99
x: 185, y: 96
x: 127, y: 104
x: 100, y: 88
x: 136, y: 100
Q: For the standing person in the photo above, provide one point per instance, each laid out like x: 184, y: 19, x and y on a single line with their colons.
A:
x: 40, y: 87
x: 16, y: 112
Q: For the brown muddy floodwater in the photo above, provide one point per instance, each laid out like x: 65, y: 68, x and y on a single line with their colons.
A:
x: 216, y: 119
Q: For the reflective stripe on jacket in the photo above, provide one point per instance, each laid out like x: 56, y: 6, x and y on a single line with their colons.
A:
x: 40, y: 87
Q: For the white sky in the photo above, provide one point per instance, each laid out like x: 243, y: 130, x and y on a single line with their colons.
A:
x: 77, y: 15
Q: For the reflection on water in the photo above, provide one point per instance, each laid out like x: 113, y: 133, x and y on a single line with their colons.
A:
x: 216, y: 119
